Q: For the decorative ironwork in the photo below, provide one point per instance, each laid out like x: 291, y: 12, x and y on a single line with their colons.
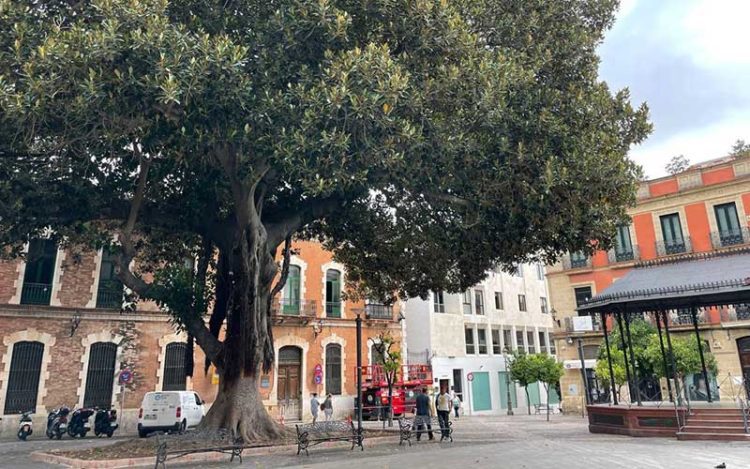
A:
x: 311, y: 434
x: 734, y: 237
x: 299, y: 308
x: 570, y: 261
x: 100, y: 375
x: 197, y: 441
x: 674, y: 246
x: 174, y: 367
x: 109, y: 295
x: 616, y: 255
x: 409, y: 427
x: 23, y: 379
x: 36, y: 293
x: 378, y: 311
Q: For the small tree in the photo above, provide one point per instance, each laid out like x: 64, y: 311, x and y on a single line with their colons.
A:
x: 687, y: 359
x: 618, y: 367
x: 547, y: 371
x: 677, y: 164
x: 391, y: 366
x: 522, y: 371
x: 740, y: 149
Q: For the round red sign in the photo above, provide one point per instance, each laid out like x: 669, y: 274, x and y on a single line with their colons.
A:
x: 470, y: 376
x: 318, y: 368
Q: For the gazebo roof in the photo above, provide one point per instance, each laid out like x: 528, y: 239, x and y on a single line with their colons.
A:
x: 705, y: 279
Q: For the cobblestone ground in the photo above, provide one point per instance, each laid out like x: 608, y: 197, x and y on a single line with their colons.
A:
x: 514, y: 442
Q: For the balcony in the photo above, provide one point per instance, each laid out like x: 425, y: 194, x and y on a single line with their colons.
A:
x: 294, y: 308
x: 333, y: 309
x: 723, y: 239
x: 575, y: 262
x: 595, y: 322
x: 618, y: 255
x: 109, y: 295
x: 674, y: 246
x: 378, y: 311
x: 36, y: 293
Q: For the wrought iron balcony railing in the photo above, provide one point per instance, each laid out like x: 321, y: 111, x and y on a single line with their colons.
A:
x: 378, y: 311
x: 333, y: 309
x: 36, y: 293
x: 617, y: 255
x: 290, y: 307
x: 575, y: 262
x: 722, y: 239
x: 109, y: 295
x: 674, y: 246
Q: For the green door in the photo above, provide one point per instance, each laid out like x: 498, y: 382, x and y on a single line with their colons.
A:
x: 552, y: 396
x: 503, y: 377
x: 480, y: 391
x: 534, y: 398
x: 291, y: 298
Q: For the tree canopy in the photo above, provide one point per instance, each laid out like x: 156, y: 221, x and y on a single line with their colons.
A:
x: 423, y: 141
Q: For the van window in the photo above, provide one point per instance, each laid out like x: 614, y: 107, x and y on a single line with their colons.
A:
x: 197, y: 399
x: 156, y: 399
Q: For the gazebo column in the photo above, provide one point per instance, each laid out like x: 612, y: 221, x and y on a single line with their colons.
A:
x: 657, y: 315
x: 632, y: 361
x: 694, y: 312
x: 671, y: 355
x: 618, y: 315
x: 613, y: 386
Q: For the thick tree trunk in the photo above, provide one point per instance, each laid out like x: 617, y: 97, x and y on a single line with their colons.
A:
x: 239, y: 408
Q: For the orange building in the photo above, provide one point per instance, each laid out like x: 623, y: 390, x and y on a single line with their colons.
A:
x: 63, y: 338
x: 703, y: 209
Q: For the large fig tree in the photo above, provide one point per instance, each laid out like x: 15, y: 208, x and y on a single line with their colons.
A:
x: 424, y: 141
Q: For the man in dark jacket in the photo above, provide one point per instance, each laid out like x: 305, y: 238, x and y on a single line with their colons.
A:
x: 423, y: 414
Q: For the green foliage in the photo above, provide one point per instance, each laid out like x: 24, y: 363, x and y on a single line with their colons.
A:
x: 677, y: 164
x: 521, y: 368
x: 686, y: 356
x: 547, y: 370
x: 618, y: 367
x: 740, y: 149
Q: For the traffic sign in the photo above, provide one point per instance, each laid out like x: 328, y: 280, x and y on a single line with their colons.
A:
x: 318, y: 378
x: 126, y: 376
x: 470, y: 376
x: 318, y: 368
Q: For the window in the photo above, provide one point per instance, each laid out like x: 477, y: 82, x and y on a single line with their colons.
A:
x: 583, y: 294
x: 623, y: 244
x: 552, y: 349
x: 540, y: 271
x: 40, y: 270
x: 519, y: 340
x: 469, y: 337
x: 438, y: 303
x: 333, y: 293
x: 522, y: 302
x: 728, y: 224
x: 479, y: 301
x: 507, y: 339
x: 333, y: 369
x: 290, y: 300
x: 498, y: 300
x: 672, y: 234
x: 518, y: 272
x: 482, y: 341
x: 109, y: 292
x: 458, y: 383
x: 174, y: 367
x: 530, y: 342
x: 23, y: 379
x: 578, y: 259
x: 376, y: 355
x: 543, y: 303
x: 497, y: 347
x: 100, y: 375
x: 543, y: 342
x: 466, y: 302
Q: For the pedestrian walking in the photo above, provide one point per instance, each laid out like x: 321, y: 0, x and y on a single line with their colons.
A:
x: 328, y: 407
x: 314, y: 406
x: 456, y: 403
x: 422, y: 409
x: 444, y: 404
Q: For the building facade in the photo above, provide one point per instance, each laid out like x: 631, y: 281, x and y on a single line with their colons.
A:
x: 705, y: 209
x: 64, y: 338
x: 464, y: 337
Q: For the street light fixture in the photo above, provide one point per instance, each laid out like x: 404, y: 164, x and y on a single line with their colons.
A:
x: 507, y: 381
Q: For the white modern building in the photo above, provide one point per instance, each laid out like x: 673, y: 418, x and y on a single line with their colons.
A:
x: 463, y: 337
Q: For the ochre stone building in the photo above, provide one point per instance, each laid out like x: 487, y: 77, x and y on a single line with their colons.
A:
x: 704, y: 209
x: 64, y: 338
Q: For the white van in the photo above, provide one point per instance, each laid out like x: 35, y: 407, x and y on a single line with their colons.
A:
x: 169, y: 411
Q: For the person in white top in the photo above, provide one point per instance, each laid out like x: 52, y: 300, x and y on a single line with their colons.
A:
x: 443, y: 404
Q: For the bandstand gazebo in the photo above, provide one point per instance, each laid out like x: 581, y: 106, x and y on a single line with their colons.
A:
x: 705, y: 284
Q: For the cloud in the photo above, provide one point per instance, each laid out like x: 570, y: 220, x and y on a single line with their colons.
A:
x: 716, y: 32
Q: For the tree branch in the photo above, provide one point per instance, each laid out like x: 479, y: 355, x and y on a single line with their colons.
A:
x: 284, y: 268
x: 309, y: 211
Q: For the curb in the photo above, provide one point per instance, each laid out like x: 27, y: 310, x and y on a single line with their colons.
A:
x: 50, y: 458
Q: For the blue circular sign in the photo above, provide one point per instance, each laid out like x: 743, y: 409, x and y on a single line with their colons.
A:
x: 126, y: 376
x: 318, y: 379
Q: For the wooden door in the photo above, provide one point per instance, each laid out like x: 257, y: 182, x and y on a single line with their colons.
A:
x: 743, y: 347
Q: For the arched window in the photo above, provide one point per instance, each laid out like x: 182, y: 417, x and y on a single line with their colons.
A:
x: 291, y: 299
x: 174, y: 367
x: 333, y: 369
x: 333, y: 293
x: 100, y: 375
x: 23, y: 379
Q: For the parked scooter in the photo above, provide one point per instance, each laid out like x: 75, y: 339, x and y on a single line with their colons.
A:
x: 105, y: 422
x: 79, y: 423
x: 24, y: 427
x: 57, y: 422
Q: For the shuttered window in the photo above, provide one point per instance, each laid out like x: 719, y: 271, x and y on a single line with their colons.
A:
x: 333, y: 369
x: 174, y: 367
x: 23, y: 380
x: 100, y: 375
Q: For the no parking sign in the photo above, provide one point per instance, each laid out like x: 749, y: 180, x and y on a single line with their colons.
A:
x: 470, y: 376
x: 126, y: 376
x: 318, y: 374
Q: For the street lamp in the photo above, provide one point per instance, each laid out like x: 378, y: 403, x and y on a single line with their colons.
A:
x: 507, y: 381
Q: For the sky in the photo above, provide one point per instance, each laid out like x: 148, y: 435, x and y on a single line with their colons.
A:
x: 689, y: 60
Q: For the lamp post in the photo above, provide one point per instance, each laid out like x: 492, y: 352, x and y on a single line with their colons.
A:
x: 507, y: 381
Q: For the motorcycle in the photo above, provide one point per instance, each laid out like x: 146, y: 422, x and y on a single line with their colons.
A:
x: 79, y: 422
x: 105, y: 422
x: 24, y: 427
x: 57, y: 422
